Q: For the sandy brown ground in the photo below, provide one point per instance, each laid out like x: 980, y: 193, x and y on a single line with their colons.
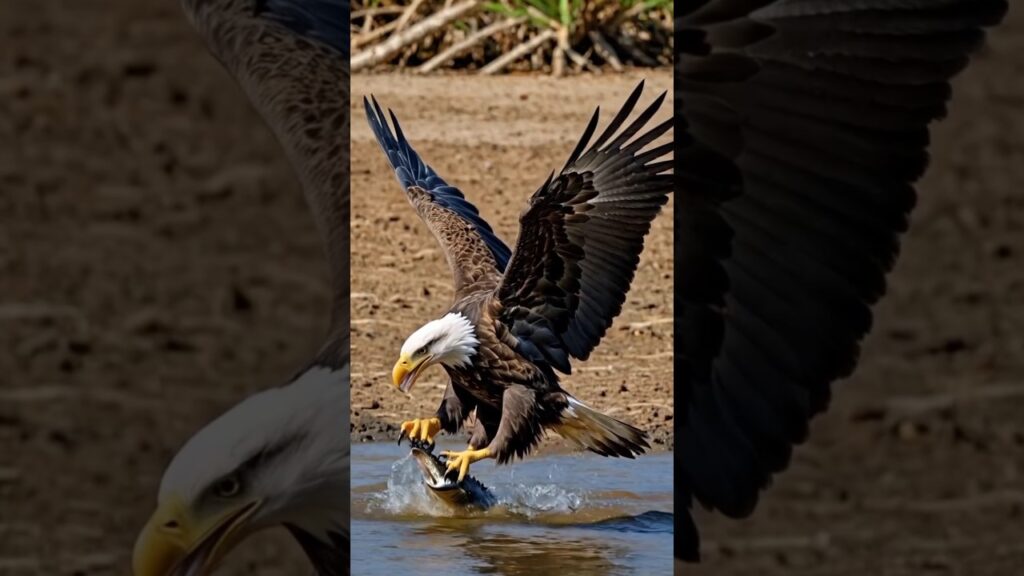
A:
x: 497, y: 139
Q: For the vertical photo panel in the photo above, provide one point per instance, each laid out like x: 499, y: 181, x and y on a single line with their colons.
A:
x: 512, y: 310
x: 173, y: 288
x: 848, y: 317
x: 276, y: 462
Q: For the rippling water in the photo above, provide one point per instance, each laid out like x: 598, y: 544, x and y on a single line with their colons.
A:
x: 564, y: 514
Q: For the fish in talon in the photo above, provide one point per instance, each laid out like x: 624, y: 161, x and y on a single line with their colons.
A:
x: 466, y: 494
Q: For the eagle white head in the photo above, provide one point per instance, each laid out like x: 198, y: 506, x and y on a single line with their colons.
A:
x: 450, y: 340
x: 281, y: 457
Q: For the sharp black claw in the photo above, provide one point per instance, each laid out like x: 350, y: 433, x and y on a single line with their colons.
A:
x: 427, y: 447
x: 401, y: 436
x: 452, y: 475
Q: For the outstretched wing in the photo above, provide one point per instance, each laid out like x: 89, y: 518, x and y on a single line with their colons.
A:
x: 475, y: 253
x: 325, y: 21
x: 291, y: 58
x: 806, y: 123
x: 581, y: 237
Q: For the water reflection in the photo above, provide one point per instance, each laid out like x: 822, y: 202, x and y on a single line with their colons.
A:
x: 509, y: 552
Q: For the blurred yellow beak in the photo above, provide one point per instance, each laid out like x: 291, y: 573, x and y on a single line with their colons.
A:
x: 406, y: 371
x: 173, y: 542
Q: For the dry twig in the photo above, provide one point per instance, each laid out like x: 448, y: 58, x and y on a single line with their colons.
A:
x: 397, y: 42
x: 605, y: 50
x: 522, y: 50
x: 472, y: 40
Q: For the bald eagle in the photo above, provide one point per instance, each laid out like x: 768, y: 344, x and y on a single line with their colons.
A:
x: 805, y: 124
x: 281, y: 457
x: 519, y: 316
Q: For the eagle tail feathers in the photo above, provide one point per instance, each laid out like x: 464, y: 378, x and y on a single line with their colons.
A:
x: 599, y: 432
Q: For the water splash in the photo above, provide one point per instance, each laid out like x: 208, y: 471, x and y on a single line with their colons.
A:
x: 533, y: 498
x: 538, y: 499
x: 406, y: 494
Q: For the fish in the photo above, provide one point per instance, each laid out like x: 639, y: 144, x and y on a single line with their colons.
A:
x: 470, y: 494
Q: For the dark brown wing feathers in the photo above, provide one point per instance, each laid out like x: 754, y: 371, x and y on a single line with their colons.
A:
x: 581, y: 237
x: 805, y: 124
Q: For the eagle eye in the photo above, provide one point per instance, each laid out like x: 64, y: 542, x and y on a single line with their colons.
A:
x: 422, y: 350
x: 227, y: 487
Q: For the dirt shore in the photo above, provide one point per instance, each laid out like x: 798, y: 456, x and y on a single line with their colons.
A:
x: 497, y: 139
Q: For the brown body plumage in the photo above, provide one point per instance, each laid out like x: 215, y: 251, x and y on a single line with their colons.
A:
x: 500, y: 380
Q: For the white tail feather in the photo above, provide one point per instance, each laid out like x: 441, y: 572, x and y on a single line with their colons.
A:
x: 598, y: 432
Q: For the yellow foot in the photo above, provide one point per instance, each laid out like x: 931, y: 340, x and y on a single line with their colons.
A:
x: 422, y: 429
x: 461, y: 460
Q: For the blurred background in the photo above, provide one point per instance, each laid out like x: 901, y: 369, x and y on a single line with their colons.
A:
x: 555, y: 37
x: 157, y: 265
x: 918, y: 466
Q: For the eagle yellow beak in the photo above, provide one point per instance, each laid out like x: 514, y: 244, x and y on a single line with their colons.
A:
x: 175, y: 543
x: 407, y: 370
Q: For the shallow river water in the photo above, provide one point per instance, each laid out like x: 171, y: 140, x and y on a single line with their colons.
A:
x: 558, y: 514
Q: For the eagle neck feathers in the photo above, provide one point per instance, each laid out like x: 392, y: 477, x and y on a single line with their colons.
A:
x: 460, y: 341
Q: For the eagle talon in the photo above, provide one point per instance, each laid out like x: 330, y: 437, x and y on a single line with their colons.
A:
x: 421, y: 430
x: 424, y: 446
x: 460, y: 461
